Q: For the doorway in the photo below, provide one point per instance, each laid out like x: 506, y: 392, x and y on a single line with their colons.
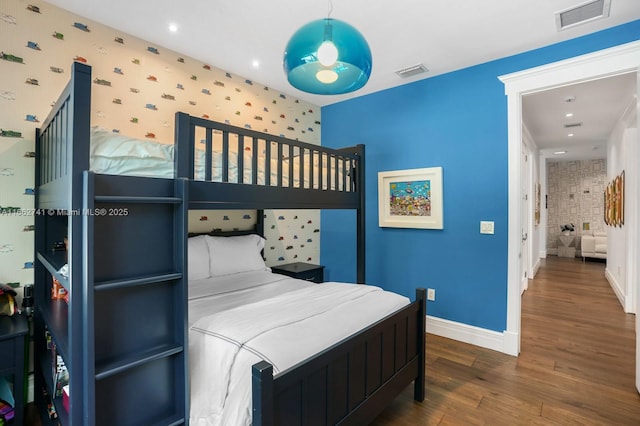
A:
x: 609, y: 62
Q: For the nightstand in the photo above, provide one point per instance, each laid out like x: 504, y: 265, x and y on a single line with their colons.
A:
x: 302, y: 271
x: 13, y: 334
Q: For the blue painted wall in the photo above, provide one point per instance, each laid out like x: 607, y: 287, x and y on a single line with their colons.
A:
x: 458, y: 121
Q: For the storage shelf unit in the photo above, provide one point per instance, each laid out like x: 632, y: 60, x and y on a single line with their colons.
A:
x: 124, y: 347
x: 122, y: 334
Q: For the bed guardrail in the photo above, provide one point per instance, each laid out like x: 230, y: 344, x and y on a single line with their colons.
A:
x: 217, y: 152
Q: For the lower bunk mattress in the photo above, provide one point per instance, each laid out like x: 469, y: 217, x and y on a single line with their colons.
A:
x: 238, y: 320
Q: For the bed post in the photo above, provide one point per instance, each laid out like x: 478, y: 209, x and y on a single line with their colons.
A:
x: 260, y: 222
x: 262, y: 394
x: 183, y: 150
x: 360, y: 212
x: 419, y: 383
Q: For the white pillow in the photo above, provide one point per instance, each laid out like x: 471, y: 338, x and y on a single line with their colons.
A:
x: 198, y: 254
x: 232, y: 255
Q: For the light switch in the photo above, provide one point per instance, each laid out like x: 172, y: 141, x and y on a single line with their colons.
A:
x: 486, y: 227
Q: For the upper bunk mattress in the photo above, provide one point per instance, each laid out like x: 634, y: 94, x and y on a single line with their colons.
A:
x: 117, y: 154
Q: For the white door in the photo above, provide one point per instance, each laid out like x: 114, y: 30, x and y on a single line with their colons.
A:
x: 524, y: 224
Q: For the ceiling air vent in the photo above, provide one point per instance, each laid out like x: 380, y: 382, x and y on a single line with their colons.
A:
x: 570, y: 125
x: 411, y: 71
x: 581, y: 14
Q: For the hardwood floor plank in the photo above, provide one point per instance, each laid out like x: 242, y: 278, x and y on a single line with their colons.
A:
x: 576, y: 366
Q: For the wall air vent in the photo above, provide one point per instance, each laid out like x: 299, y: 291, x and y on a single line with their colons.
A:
x: 583, y: 13
x: 411, y: 71
x: 570, y: 125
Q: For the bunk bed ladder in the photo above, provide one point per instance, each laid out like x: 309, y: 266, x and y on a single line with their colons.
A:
x: 135, y: 324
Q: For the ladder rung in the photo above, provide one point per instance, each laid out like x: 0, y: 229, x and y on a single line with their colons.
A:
x: 133, y: 282
x: 138, y: 200
x: 111, y: 368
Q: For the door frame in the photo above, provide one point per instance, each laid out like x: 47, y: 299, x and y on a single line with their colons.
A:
x: 525, y: 231
x: 604, y: 63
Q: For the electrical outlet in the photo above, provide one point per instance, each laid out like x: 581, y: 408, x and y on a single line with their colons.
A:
x: 431, y: 294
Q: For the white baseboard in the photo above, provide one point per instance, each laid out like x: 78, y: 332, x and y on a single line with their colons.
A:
x: 536, y: 268
x: 615, y: 286
x: 506, y: 342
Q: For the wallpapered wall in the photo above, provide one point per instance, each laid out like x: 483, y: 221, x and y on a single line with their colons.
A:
x: 575, y: 195
x: 137, y: 89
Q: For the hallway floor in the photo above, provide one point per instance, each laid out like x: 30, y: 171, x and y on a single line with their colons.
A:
x: 576, y: 366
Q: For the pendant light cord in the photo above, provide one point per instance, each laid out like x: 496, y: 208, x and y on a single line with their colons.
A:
x: 330, y: 9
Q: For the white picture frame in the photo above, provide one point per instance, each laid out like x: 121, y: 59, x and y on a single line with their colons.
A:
x: 411, y: 198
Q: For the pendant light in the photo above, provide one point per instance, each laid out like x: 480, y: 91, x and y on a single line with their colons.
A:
x: 327, y: 57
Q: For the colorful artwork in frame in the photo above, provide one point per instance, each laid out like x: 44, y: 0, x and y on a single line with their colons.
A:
x: 614, y: 202
x: 410, y: 198
x: 537, y: 207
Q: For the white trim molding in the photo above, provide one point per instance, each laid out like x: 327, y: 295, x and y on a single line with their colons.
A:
x: 502, y: 342
x: 617, y: 289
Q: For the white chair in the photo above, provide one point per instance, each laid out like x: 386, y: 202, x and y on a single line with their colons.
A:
x: 594, y: 245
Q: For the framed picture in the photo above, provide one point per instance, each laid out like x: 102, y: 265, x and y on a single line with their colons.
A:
x: 410, y: 198
x: 607, y: 205
x: 619, y: 183
x: 537, y: 208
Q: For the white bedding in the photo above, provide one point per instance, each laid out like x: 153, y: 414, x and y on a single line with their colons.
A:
x: 248, y: 317
x: 113, y: 153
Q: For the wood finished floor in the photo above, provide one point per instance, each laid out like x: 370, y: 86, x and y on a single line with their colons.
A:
x: 576, y: 366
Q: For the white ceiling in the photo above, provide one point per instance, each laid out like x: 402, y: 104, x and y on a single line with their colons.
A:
x: 443, y: 35
x: 595, y: 105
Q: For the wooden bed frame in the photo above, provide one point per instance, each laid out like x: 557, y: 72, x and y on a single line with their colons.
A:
x: 123, y: 333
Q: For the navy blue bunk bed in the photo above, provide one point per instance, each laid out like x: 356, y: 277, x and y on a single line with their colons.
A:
x: 122, y: 333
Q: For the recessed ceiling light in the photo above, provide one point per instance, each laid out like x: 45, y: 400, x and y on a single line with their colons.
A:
x: 559, y: 152
x: 570, y: 135
x: 255, y: 63
x: 569, y: 114
x: 173, y: 28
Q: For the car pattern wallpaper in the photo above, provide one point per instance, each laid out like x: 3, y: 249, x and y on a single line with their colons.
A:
x: 137, y: 88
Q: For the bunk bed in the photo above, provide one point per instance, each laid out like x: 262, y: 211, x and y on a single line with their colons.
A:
x: 122, y: 332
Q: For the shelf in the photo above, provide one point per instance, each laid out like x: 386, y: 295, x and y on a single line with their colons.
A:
x: 152, y: 279
x: 171, y: 421
x: 53, y: 261
x: 46, y: 421
x: 56, y: 318
x: 114, y: 199
x: 45, y: 366
x: 110, y: 368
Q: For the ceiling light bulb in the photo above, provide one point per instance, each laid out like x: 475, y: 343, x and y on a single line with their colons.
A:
x: 327, y: 53
x: 560, y: 152
x: 570, y: 135
x: 327, y: 76
x: 569, y: 114
x: 173, y: 28
x: 255, y: 63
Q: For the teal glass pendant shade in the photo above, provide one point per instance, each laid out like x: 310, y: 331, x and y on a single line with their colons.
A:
x: 327, y: 57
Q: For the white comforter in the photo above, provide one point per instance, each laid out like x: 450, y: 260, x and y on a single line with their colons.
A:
x: 298, y: 320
